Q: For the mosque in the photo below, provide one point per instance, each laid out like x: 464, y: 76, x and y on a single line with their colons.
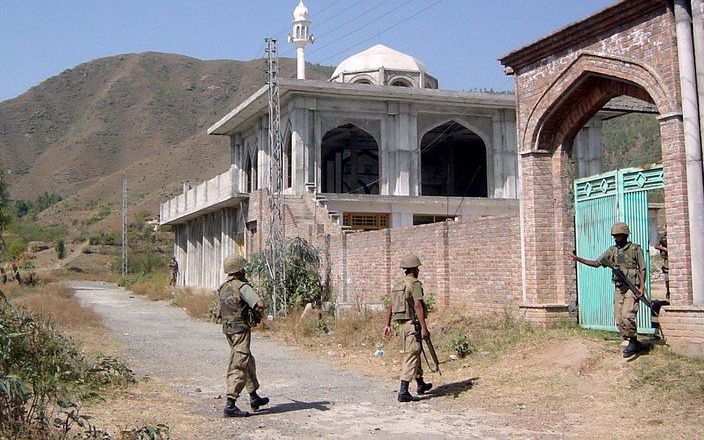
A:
x: 380, y: 145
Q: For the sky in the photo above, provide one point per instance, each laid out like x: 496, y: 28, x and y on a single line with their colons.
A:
x: 458, y: 40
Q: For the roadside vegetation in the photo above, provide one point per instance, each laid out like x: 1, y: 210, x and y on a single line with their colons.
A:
x: 44, y: 375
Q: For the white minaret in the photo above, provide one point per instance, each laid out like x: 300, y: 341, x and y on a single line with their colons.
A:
x: 300, y: 37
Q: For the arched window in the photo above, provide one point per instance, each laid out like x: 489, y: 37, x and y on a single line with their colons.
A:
x: 453, y: 162
x: 362, y: 81
x: 288, y: 159
x: 298, y: 31
x: 350, y: 161
x: 401, y: 83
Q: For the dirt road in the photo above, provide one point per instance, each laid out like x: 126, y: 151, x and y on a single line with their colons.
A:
x: 309, y: 398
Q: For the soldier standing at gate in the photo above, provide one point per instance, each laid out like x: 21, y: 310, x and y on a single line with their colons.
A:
x: 628, y: 257
x: 240, y: 309
x: 407, y: 308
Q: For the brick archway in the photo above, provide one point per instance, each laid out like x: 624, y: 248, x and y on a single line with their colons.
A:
x: 561, y: 81
x: 583, y: 87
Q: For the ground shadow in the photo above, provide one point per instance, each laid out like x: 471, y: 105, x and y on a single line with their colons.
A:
x: 453, y: 389
x: 295, y: 405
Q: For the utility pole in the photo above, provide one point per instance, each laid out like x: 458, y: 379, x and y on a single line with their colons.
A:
x: 276, y: 246
x: 123, y: 222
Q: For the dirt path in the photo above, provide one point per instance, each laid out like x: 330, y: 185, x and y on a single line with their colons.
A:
x: 309, y: 398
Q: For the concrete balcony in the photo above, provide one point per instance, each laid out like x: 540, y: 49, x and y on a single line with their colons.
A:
x: 197, y: 199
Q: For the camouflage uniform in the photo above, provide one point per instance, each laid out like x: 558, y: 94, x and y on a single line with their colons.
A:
x: 630, y: 260
x: 403, y: 297
x: 173, y: 268
x: 235, y: 295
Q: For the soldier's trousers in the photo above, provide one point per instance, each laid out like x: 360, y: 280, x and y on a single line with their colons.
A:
x: 625, y: 311
x: 242, y: 370
x: 410, y: 369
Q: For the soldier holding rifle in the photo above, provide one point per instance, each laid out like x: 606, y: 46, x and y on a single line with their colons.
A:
x: 627, y: 257
x: 407, y: 308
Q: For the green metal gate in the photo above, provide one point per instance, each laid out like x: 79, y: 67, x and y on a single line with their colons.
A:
x: 600, y: 201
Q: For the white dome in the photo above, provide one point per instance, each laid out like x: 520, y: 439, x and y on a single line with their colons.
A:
x: 301, y: 12
x: 379, y: 56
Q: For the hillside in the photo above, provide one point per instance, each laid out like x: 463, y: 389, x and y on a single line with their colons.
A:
x: 143, y: 116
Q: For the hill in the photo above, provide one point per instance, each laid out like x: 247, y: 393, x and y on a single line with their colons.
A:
x: 142, y: 116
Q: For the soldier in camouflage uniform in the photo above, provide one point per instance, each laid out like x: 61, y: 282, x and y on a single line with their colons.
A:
x: 628, y: 257
x: 240, y: 309
x: 662, y: 247
x: 407, y: 308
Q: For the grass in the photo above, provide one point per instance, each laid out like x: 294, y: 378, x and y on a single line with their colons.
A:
x: 57, y: 303
x: 154, y: 286
x: 198, y: 304
x: 673, y: 376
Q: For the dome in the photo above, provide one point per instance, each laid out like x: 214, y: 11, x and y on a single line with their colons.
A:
x: 301, y: 12
x: 377, y: 57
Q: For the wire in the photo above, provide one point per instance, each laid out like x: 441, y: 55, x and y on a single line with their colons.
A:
x: 376, y: 35
x: 363, y: 26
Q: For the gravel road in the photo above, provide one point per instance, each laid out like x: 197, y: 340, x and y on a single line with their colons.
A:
x: 309, y: 397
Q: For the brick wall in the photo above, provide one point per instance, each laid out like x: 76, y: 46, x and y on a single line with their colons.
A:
x: 474, y: 263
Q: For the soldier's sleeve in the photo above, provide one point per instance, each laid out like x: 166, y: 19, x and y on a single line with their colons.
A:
x: 605, y: 259
x: 249, y: 295
x: 417, y: 290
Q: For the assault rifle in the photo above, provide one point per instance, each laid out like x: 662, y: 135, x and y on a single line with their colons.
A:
x: 431, y: 349
x: 623, y: 279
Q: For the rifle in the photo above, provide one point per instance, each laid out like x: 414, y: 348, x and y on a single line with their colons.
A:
x: 431, y: 349
x: 626, y: 282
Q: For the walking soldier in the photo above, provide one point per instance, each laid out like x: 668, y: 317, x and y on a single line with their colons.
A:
x: 407, y: 308
x: 628, y: 257
x: 240, y: 309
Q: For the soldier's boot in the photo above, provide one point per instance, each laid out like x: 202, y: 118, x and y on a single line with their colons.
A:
x: 632, y: 348
x: 422, y: 386
x: 255, y: 401
x: 231, y: 409
x: 404, y: 395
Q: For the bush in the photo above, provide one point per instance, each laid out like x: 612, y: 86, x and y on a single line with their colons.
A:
x: 303, y: 283
x: 460, y: 343
x: 40, y: 372
x: 60, y: 249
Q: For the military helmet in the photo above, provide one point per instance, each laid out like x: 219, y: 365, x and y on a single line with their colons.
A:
x: 234, y: 264
x: 620, y: 228
x: 410, y: 261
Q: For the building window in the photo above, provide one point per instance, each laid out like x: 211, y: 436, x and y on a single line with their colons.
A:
x: 401, y: 83
x: 424, y: 219
x: 365, y: 221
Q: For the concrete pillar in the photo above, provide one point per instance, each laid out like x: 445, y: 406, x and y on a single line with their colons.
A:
x: 698, y: 34
x: 693, y: 148
x: 401, y: 169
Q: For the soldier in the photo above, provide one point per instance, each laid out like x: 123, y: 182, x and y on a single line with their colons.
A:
x: 628, y: 257
x: 173, y: 268
x: 407, y: 308
x: 240, y: 309
x: 662, y: 247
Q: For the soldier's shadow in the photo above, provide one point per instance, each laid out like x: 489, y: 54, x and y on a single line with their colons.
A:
x: 453, y: 389
x: 295, y: 405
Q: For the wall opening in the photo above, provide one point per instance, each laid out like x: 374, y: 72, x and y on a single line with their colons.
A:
x: 350, y: 161
x: 453, y: 162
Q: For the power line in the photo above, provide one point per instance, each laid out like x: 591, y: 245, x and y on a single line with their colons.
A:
x: 345, y: 23
x: 386, y: 14
x: 398, y: 23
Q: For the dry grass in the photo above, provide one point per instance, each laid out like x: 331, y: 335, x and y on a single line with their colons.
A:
x: 154, y: 290
x: 56, y: 302
x: 197, y: 303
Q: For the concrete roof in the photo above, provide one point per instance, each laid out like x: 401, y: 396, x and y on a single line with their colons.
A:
x: 257, y: 103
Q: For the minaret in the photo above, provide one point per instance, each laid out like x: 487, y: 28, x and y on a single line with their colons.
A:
x: 300, y: 37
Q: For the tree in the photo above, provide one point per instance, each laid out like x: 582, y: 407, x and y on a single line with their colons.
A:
x: 5, y: 213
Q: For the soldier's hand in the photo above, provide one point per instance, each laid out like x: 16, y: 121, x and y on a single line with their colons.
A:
x: 387, y: 332
x: 572, y: 256
x: 425, y: 333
